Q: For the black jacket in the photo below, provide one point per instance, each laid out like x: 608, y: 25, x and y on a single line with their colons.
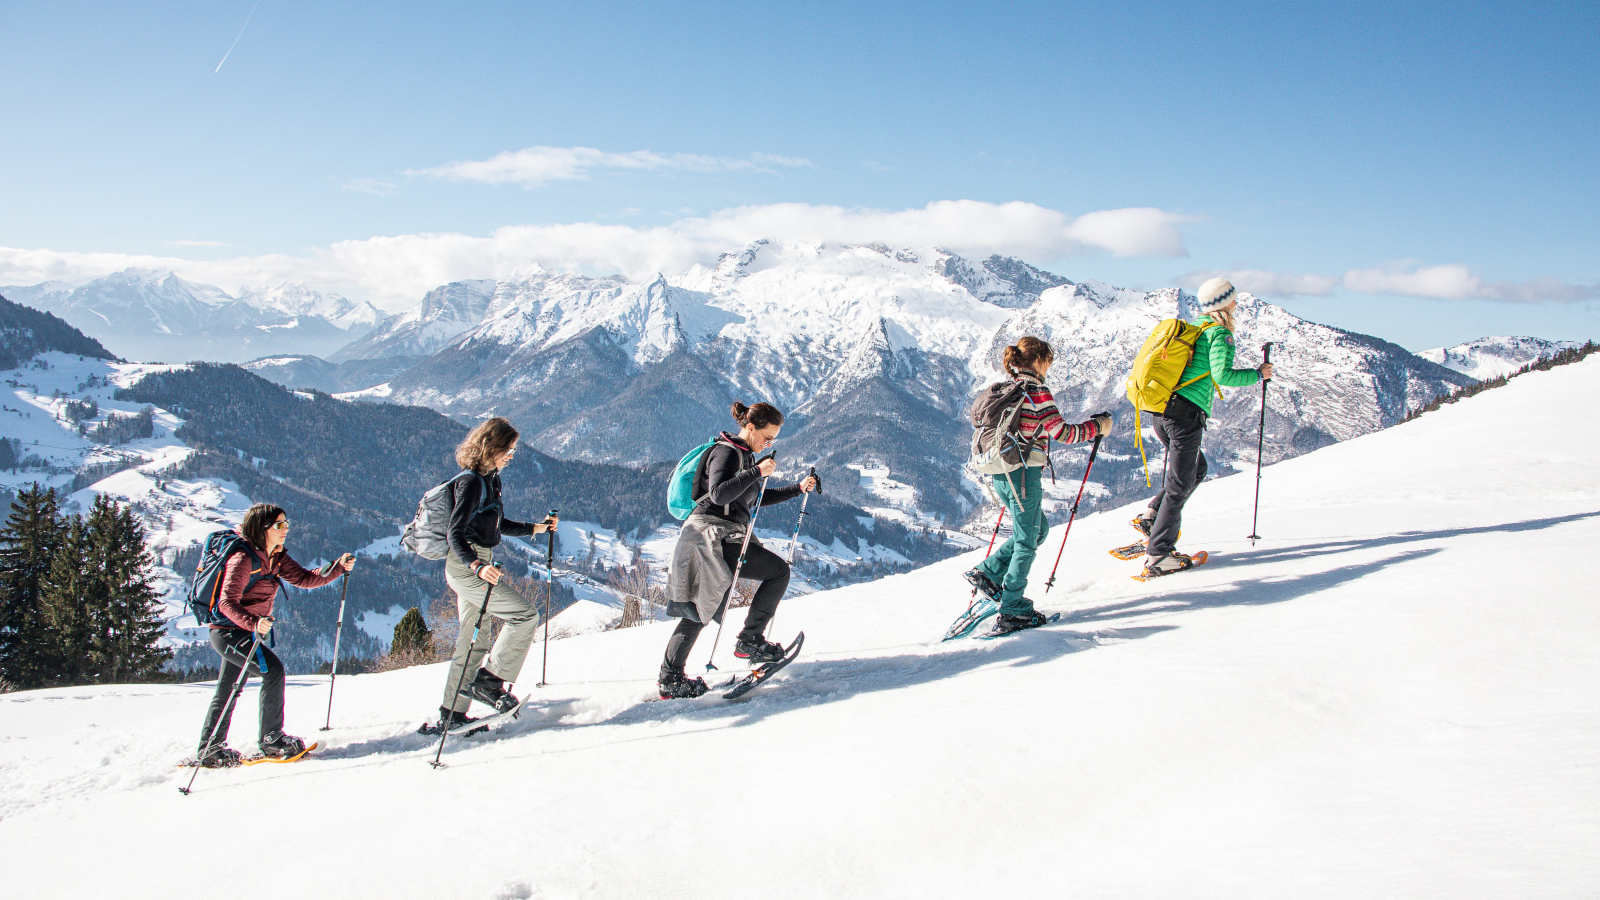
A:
x: 734, y: 481
x: 479, y: 519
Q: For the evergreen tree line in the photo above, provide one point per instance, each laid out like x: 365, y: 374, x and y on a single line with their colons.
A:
x: 77, y: 602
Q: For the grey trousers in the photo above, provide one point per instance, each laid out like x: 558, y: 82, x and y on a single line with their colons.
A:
x: 521, y: 619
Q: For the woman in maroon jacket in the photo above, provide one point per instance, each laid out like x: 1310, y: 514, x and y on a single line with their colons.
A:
x: 249, y: 586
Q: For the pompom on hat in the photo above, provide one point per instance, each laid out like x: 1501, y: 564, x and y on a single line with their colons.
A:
x: 1215, y: 294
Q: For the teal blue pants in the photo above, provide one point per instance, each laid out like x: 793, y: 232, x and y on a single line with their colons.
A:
x: 1009, y: 564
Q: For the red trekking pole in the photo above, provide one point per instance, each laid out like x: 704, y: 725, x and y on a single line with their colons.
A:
x: 1087, y: 469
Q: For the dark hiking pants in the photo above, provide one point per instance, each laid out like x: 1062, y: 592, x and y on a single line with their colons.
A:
x: 232, y: 644
x: 1181, y: 430
x: 760, y: 564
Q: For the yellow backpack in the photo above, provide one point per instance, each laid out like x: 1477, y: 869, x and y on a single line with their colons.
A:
x: 1156, y: 370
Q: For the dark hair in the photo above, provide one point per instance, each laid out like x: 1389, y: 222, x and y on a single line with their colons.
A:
x: 1026, y: 353
x: 484, y: 444
x: 256, y: 520
x: 761, y: 415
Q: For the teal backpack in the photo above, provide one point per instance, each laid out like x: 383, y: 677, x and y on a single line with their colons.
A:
x: 681, y: 500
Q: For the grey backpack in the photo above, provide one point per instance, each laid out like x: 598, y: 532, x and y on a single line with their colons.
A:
x: 997, y: 445
x: 427, y: 536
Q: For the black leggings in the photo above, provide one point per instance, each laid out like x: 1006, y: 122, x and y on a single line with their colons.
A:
x: 760, y: 564
x: 232, y: 644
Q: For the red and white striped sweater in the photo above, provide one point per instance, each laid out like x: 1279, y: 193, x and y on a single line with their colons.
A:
x: 1040, y: 421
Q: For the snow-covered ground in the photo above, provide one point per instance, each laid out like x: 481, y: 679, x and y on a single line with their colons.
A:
x: 1394, y: 694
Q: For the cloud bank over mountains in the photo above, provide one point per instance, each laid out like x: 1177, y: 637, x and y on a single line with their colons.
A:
x: 393, y: 271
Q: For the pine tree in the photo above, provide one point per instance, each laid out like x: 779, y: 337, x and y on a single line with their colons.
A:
x: 64, y: 599
x: 411, y: 635
x: 127, y: 628
x: 30, y: 540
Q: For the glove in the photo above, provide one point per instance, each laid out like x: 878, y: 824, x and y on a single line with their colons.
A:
x: 1103, y: 423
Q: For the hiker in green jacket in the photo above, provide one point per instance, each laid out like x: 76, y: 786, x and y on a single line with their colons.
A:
x: 1183, y: 424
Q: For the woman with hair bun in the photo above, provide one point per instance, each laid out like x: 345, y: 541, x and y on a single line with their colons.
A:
x: 726, y: 489
x: 1004, y: 574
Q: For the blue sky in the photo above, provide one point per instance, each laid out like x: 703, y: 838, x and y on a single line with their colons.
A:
x: 1422, y: 172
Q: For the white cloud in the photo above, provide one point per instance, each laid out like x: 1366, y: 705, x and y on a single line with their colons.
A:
x: 1456, y: 282
x: 371, y: 186
x: 394, y: 271
x: 535, y: 166
x: 1405, y: 279
x: 1265, y: 284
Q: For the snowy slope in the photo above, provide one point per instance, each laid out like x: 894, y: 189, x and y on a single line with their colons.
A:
x: 1494, y: 356
x: 1394, y: 694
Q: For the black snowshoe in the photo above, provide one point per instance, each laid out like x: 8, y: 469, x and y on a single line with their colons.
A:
x: 448, y: 719
x: 673, y: 686
x: 981, y: 583
x: 1004, y: 624
x: 758, y: 650
x: 278, y: 745
x: 221, y: 758
x: 488, y: 689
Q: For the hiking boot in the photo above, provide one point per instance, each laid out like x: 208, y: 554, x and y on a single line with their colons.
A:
x: 221, y: 758
x: 278, y: 745
x: 981, y: 583
x: 1143, y: 524
x: 673, y: 686
x: 1004, y: 624
x: 757, y: 649
x: 487, y: 688
x: 1155, y: 567
x: 448, y: 719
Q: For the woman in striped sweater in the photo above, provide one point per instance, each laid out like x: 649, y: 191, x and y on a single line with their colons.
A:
x: 1004, y: 574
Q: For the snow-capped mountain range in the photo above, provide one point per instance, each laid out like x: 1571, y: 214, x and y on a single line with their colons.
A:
x: 875, y: 351
x: 1492, y: 357
x: 142, y: 314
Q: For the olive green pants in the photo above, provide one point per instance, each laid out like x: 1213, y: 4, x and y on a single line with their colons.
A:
x: 521, y: 620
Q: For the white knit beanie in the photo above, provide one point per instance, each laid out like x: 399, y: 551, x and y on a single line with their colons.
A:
x: 1215, y: 294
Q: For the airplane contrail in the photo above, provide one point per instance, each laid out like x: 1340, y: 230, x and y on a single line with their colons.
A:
x: 236, y: 40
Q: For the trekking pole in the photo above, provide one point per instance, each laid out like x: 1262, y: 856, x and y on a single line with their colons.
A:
x: 998, y: 519
x: 1261, y: 442
x: 549, y: 588
x: 338, y: 632
x: 1093, y: 452
x: 711, y: 661
x: 444, y: 726
x: 244, y: 675
x: 795, y: 540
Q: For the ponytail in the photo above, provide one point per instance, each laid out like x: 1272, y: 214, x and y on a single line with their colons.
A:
x: 1026, y: 353
x: 760, y: 415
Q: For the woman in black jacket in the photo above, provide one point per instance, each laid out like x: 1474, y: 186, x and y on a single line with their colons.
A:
x: 726, y: 493
x: 477, y: 522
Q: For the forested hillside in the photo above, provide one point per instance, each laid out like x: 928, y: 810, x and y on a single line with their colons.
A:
x: 25, y: 332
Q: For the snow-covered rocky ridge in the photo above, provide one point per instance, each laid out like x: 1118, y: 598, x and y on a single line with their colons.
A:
x: 1492, y: 357
x: 142, y: 314
x: 1391, y: 694
x: 876, y: 352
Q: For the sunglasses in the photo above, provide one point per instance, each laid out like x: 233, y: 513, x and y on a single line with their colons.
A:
x: 281, y: 526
